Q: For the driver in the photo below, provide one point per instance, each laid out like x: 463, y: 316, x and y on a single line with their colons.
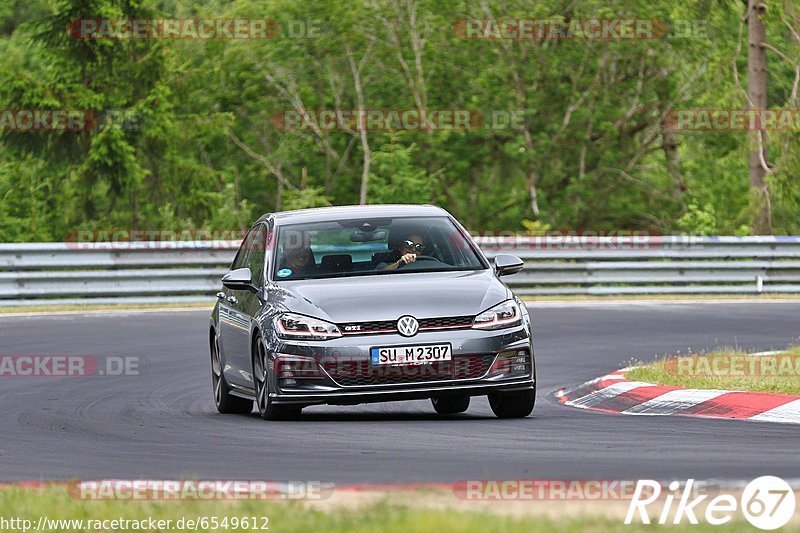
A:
x: 297, y: 261
x: 406, y: 252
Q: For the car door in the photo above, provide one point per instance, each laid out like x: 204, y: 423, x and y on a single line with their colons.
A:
x: 234, y: 320
x: 248, y: 304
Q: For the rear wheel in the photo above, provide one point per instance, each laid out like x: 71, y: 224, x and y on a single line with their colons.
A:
x: 513, y: 404
x: 262, y: 381
x: 224, y: 400
x: 450, y: 405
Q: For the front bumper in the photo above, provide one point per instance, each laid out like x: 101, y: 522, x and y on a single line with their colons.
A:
x: 348, y: 397
x: 355, y: 349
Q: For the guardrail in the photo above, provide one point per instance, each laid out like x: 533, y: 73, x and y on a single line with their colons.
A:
x: 74, y: 273
x: 652, y: 265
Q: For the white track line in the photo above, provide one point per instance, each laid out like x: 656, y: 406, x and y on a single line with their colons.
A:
x: 788, y: 413
x: 673, y: 401
x: 591, y: 399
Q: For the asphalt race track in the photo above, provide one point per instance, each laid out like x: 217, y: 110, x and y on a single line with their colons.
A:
x: 163, y: 424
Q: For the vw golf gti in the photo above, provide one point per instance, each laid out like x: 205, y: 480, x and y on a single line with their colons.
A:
x: 348, y: 305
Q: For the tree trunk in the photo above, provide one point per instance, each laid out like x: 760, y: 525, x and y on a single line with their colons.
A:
x: 362, y: 127
x: 669, y: 141
x: 279, y: 196
x: 362, y: 195
x: 135, y: 207
x: 328, y: 175
x: 757, y: 93
x: 533, y: 179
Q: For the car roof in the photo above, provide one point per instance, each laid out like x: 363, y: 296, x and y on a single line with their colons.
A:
x: 323, y: 214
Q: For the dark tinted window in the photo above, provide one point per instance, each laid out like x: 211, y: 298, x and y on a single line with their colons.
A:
x: 256, y: 253
x: 368, y: 246
x: 241, y: 256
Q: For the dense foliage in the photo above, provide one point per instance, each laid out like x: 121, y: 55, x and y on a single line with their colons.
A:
x: 189, y: 136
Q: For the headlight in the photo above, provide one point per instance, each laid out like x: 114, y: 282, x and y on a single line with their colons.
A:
x: 292, y: 326
x: 504, y: 315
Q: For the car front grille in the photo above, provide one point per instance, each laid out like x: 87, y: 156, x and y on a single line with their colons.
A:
x: 446, y: 322
x: 366, y: 328
x: 363, y: 374
x: 390, y: 326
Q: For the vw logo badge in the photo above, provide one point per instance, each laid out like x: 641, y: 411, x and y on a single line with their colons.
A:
x: 407, y: 326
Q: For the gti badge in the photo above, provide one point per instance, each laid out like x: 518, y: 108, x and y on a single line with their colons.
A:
x: 407, y: 326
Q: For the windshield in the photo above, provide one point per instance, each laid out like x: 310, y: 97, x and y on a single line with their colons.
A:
x: 372, y: 247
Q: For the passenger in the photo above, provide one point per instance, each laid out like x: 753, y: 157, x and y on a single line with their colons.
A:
x: 405, y: 253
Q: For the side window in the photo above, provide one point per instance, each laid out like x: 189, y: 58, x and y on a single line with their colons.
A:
x: 257, y: 249
x: 241, y: 255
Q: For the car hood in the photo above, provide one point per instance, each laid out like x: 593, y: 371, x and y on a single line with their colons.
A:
x: 390, y: 296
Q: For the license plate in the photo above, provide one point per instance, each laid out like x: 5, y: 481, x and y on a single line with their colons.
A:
x: 411, y: 355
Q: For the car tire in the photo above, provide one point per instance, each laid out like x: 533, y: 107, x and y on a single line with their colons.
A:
x: 263, y: 385
x: 513, y: 404
x: 226, y: 402
x: 450, y: 405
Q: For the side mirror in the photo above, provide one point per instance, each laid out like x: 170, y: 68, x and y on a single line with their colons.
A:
x: 505, y: 264
x: 240, y: 279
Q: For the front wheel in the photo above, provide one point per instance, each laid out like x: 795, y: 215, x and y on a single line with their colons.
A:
x: 513, y: 404
x: 225, y: 401
x: 262, y: 381
x: 450, y: 405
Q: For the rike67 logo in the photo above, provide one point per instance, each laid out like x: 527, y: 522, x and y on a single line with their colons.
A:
x: 767, y: 502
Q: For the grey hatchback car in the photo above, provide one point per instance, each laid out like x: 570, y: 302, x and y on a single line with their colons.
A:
x: 349, y: 305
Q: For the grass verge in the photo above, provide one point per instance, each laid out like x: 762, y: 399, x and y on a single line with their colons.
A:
x: 726, y: 370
